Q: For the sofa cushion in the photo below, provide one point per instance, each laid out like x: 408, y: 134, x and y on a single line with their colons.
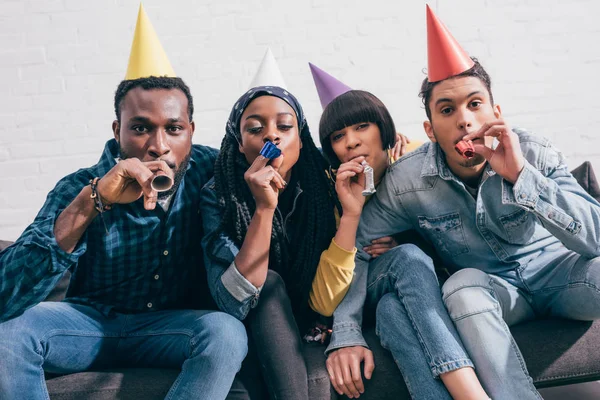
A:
x: 584, y: 174
x: 559, y: 351
x: 129, y: 383
x: 556, y: 352
x: 146, y: 383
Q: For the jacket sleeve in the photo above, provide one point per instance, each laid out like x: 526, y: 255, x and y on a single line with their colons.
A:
x: 562, y: 206
x: 233, y: 293
x: 32, y: 266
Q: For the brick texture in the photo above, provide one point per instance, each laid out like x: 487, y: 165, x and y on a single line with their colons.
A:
x: 61, y: 60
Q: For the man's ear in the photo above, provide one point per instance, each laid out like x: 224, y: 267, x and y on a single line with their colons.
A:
x: 429, y: 130
x: 116, y: 130
x: 497, y: 111
x: 193, y: 128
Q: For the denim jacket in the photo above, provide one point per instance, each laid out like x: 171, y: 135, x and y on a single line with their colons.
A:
x: 232, y: 292
x: 506, y: 230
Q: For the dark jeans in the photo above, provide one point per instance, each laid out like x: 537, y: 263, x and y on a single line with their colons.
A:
x: 273, y: 329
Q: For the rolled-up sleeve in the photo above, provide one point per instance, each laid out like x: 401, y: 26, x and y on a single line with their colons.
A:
x: 32, y: 266
x: 233, y: 293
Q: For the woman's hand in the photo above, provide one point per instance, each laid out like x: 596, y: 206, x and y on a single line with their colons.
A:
x: 349, y: 185
x: 265, y: 182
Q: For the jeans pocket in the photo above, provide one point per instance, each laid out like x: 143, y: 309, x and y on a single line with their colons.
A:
x: 447, y: 232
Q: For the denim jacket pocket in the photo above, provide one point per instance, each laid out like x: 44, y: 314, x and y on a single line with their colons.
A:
x: 520, y: 226
x: 447, y: 232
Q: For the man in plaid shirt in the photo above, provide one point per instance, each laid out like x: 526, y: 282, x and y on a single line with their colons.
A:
x: 135, y: 257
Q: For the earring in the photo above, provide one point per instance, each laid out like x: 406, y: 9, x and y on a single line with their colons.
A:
x: 330, y: 174
x: 390, y: 159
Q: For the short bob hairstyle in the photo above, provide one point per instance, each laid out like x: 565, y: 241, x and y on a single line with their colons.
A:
x: 352, y: 108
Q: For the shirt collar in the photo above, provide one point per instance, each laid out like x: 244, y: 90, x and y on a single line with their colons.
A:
x: 435, y: 165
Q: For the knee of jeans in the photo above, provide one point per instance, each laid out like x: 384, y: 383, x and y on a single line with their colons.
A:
x: 388, y: 312
x: 468, y: 292
x: 18, y: 335
x: 592, y: 273
x: 407, y: 258
x: 411, y: 252
x: 226, y: 335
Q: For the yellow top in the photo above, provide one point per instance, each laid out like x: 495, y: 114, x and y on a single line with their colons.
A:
x: 335, y: 272
x: 147, y: 57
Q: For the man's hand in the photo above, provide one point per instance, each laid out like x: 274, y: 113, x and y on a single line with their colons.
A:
x: 507, y: 158
x: 131, y: 179
x: 343, y: 366
x: 380, y: 246
x: 349, y: 184
x: 265, y: 182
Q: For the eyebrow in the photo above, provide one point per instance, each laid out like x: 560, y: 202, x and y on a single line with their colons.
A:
x: 445, y: 99
x: 139, y: 118
x: 256, y: 116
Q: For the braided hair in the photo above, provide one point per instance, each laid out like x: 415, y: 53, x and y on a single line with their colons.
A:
x: 314, y: 221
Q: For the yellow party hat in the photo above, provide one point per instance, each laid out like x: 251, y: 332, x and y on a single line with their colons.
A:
x: 147, y: 57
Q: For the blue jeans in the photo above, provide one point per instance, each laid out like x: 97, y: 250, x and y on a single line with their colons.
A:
x: 483, y: 306
x: 412, y: 321
x: 208, y: 346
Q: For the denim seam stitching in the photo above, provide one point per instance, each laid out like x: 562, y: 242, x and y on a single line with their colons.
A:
x: 184, y: 332
x: 42, y: 382
x: 456, y: 289
x: 435, y: 368
x: 568, y: 376
x: 174, y: 386
x: 568, y: 286
x: 70, y: 332
x: 475, y: 313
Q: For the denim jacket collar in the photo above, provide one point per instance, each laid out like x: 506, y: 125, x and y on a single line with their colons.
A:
x: 435, y: 165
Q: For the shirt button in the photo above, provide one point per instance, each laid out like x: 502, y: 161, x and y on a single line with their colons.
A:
x: 522, y: 195
x: 166, y: 252
x: 149, y: 305
x: 156, y: 277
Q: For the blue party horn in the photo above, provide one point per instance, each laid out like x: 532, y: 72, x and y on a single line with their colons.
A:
x: 270, y: 151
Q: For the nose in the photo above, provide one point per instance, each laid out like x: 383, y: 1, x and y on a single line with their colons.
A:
x: 464, y: 120
x: 159, y: 144
x: 272, y: 134
x: 352, y: 140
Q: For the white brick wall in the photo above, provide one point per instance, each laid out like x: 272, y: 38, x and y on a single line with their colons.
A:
x: 61, y: 60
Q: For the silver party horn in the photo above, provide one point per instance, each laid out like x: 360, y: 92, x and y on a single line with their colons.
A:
x: 369, y: 182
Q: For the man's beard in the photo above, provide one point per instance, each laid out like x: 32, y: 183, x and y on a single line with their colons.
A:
x: 178, y: 173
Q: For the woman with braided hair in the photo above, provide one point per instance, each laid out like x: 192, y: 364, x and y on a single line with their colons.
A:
x: 271, y: 248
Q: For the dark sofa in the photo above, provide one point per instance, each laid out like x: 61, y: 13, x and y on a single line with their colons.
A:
x: 557, y: 352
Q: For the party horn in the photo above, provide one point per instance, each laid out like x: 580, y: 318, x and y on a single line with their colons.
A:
x: 270, y: 151
x: 465, y: 149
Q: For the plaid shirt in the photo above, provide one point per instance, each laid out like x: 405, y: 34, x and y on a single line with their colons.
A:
x: 149, y: 261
